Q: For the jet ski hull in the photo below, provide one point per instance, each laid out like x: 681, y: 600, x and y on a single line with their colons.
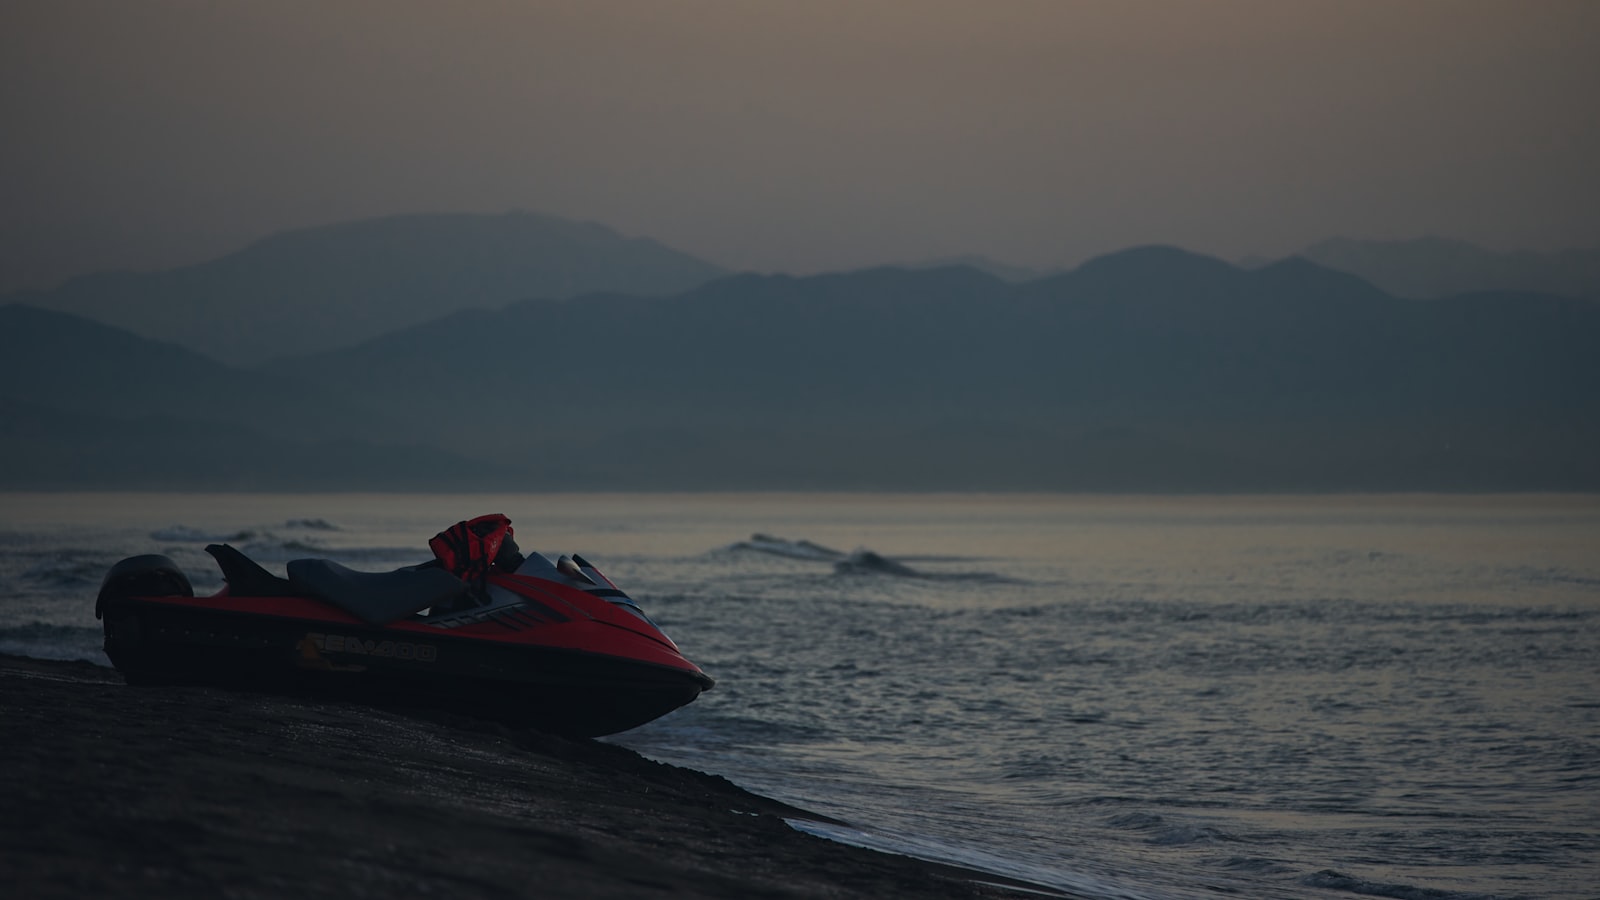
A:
x: 588, y: 672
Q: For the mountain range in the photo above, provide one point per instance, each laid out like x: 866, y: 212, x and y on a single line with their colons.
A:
x: 1151, y: 369
x: 322, y: 288
x: 1439, y: 267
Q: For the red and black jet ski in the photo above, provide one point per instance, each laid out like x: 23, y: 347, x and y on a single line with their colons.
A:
x: 481, y: 630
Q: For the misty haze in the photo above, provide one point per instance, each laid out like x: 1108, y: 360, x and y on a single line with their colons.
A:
x: 1086, y: 450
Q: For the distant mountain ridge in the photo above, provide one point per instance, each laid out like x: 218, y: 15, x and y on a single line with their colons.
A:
x: 87, y: 405
x: 320, y: 288
x: 1149, y: 367
x: 1437, y: 267
x: 68, y: 363
x: 1153, y: 369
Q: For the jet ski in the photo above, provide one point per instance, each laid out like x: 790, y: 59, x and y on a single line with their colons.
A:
x: 481, y: 630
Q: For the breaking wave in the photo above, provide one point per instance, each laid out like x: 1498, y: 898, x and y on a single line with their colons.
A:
x: 777, y: 546
x: 866, y: 562
x: 860, y: 561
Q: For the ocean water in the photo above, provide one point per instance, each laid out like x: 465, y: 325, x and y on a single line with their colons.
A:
x: 1140, y: 697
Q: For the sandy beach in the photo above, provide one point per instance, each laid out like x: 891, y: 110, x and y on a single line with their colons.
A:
x: 115, y: 791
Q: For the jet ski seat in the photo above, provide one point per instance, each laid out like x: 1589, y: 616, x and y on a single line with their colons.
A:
x: 376, y: 598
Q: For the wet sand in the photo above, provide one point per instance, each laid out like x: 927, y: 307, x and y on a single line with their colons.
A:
x: 113, y: 791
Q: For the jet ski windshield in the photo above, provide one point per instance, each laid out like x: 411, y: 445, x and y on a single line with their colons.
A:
x: 575, y: 571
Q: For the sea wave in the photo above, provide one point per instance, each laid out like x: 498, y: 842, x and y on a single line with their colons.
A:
x: 867, y: 562
x: 190, y: 535
x: 44, y: 640
x: 66, y: 570
x: 861, y: 561
x: 270, y: 548
x: 1252, y: 864
x: 1184, y: 834
x: 312, y: 525
x: 274, y: 549
x: 1550, y: 575
x: 1330, y: 880
x: 777, y: 546
x: 1136, y: 821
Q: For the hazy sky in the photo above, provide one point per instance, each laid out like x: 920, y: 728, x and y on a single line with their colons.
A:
x: 801, y: 135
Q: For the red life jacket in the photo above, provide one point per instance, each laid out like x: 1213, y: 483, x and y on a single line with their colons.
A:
x: 469, y: 548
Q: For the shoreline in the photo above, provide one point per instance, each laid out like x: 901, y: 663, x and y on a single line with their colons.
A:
x: 194, y: 791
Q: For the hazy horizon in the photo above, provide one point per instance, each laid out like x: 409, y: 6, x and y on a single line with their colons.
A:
x: 806, y: 138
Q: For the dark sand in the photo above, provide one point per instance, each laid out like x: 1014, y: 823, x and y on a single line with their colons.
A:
x: 112, y: 791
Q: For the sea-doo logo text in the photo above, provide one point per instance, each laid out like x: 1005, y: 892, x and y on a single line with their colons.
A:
x: 347, y: 643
